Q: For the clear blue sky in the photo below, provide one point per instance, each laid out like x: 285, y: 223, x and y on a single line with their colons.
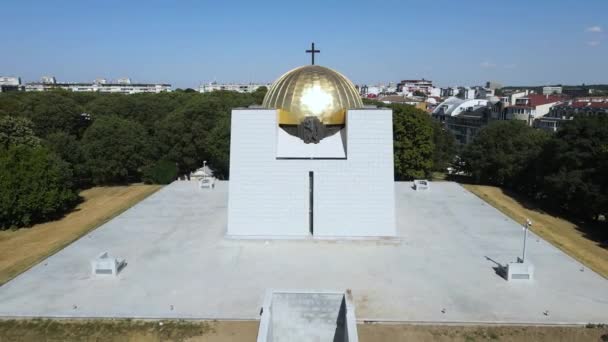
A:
x: 188, y: 42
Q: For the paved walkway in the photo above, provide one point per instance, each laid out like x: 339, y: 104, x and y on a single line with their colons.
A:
x: 180, y: 265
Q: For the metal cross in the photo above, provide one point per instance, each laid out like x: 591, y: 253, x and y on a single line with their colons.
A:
x: 313, y: 51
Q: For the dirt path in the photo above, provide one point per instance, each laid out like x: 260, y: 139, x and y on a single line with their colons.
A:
x: 28, y: 330
x: 23, y: 248
x: 127, y: 330
x: 451, y: 333
x: 561, y: 233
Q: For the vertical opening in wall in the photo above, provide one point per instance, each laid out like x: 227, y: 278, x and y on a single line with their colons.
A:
x: 311, y: 188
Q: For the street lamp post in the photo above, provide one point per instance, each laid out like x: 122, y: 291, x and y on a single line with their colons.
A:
x: 527, y: 225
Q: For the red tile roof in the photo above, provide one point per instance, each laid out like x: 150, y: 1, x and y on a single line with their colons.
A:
x: 580, y: 104
x: 538, y: 99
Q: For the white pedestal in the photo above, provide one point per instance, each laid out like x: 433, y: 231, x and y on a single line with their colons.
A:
x: 421, y: 184
x: 104, y: 264
x: 207, y: 183
x: 520, y: 271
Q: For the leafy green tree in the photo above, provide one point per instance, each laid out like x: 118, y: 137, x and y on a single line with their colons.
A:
x: 36, y: 186
x: 182, y: 140
x: 146, y: 109
x: 259, y: 94
x: 70, y: 150
x: 82, y: 98
x: 372, y: 102
x: 218, y: 148
x: 413, y: 142
x: 445, y: 147
x: 17, y: 131
x: 200, y: 130
x: 503, y: 153
x: 161, y: 172
x: 111, y: 104
x: 575, y: 167
x: 54, y: 112
x: 116, y: 150
x: 10, y: 103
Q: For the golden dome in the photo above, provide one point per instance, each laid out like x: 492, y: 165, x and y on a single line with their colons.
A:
x: 315, y: 91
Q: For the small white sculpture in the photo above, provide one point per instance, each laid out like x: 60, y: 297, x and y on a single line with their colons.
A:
x: 204, y: 176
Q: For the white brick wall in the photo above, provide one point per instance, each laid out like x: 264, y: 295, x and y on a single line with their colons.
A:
x: 352, y: 197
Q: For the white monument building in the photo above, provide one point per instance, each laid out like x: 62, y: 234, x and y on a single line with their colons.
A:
x: 313, y: 161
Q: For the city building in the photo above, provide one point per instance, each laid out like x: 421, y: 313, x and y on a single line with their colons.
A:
x: 48, y: 80
x: 493, y: 85
x: 238, y: 87
x: 10, y: 83
x: 434, y: 92
x: 373, y: 91
x: 121, y: 86
x: 454, y: 106
x: 391, y: 88
x: 577, y: 91
x: 510, y: 97
x: 410, y: 86
x: 124, y: 80
x: 592, y: 99
x: 483, y: 92
x: 571, y: 110
x: 531, y: 106
x: 552, y: 90
x: 370, y: 91
x: 466, y: 93
x: 448, y: 92
x: 464, y: 117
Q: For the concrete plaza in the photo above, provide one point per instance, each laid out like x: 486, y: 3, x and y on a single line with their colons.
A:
x: 181, y: 265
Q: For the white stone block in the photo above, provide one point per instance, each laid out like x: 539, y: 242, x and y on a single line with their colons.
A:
x: 206, y: 182
x: 421, y: 184
x: 104, y: 264
x: 520, y: 271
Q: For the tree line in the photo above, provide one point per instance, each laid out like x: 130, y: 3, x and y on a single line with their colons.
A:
x: 567, y: 170
x: 53, y: 144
